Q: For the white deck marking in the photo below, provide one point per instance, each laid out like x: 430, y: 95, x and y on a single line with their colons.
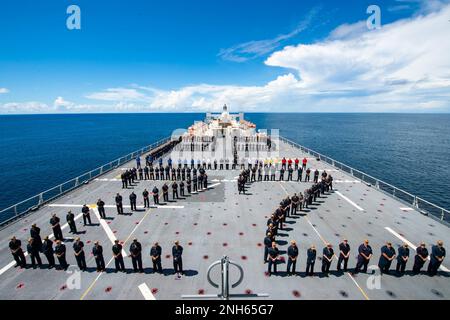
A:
x: 346, y: 181
x: 349, y: 201
x: 13, y: 263
x: 442, y: 267
x: 107, y: 229
x: 146, y: 292
x: 407, y: 209
x: 213, y: 185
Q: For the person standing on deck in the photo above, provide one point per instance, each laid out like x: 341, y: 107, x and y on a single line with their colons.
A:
x: 328, y: 254
x: 402, y: 259
x: 155, y: 254
x: 364, y: 255
x: 344, y: 254
x: 165, y: 190
x: 177, y: 252
x: 292, y: 252
x: 420, y: 258
x: 138, y: 162
x: 308, y: 175
x: 175, y: 190
x: 146, y: 171
x: 273, y: 258
x: 436, y: 257
x: 386, y: 258
x: 310, y: 260
x: 155, y: 193
x: 34, y: 253
x: 60, y: 252
x: 304, y: 162
x: 54, y: 222
x: 119, y: 205
x: 299, y: 174
x: 124, y: 179
x: 97, y: 252
x: 145, y: 195
x: 101, y: 208
x: 281, y: 174
x: 70, y: 218
x: 117, y: 255
x: 79, y: 254
x: 35, y: 233
x: 133, y: 198
x: 267, y: 245
x: 15, y: 246
x: 136, y: 255
x: 316, y: 176
x: 86, y: 214
x: 47, y: 250
x: 152, y: 172
x: 290, y: 171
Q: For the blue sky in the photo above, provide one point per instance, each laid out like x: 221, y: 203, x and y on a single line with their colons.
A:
x: 140, y: 56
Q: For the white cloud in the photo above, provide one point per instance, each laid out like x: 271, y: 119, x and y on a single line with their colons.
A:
x: 3, y: 90
x: 117, y: 94
x: 257, y: 48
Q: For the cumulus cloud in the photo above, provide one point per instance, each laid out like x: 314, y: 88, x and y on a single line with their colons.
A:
x: 3, y: 90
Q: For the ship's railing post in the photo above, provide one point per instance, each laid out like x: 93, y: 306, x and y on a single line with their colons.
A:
x: 15, y: 210
x: 442, y: 214
x: 60, y: 189
x: 41, y: 199
x: 77, y: 182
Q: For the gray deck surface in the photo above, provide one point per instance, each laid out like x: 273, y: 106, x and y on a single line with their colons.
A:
x: 218, y: 221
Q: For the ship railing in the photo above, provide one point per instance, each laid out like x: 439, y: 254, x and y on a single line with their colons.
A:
x: 33, y: 203
x: 421, y: 205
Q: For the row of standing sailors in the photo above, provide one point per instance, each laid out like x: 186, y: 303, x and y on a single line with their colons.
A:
x: 36, y: 246
x: 289, y: 206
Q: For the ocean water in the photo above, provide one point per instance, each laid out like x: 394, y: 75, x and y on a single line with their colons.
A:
x: 410, y: 151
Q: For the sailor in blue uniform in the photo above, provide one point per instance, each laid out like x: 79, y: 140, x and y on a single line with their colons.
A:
x: 364, y: 255
x: 70, y: 218
x: 133, y: 198
x: 60, y: 252
x: 15, y: 245
x: 35, y: 233
x: 420, y: 258
x: 97, y: 252
x: 119, y: 205
x: 118, y: 258
x: 136, y: 255
x: 155, y: 254
x: 436, y: 257
x: 402, y: 259
x: 86, y: 214
x: 177, y: 253
x: 101, y: 208
x: 79, y: 254
x: 54, y: 221
x: 327, y: 257
x: 47, y: 250
x: 310, y: 260
x: 33, y: 252
x: 267, y: 245
x: 344, y: 254
x: 292, y: 258
x: 273, y: 258
x: 386, y: 258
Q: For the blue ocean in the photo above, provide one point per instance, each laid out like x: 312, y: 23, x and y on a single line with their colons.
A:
x: 410, y: 151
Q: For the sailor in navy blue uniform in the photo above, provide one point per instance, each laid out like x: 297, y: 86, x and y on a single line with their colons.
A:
x: 86, y: 214
x: 145, y: 194
x: 119, y: 205
x: 402, y: 259
x: 155, y: 254
x: 155, y: 193
x: 177, y: 253
x: 386, y: 258
x: 101, y: 208
x: 344, y: 254
x: 273, y: 258
x: 133, y: 198
x: 97, y: 252
x: 118, y: 258
x: 364, y: 255
x: 79, y: 254
x: 420, y: 257
x: 60, y: 252
x: 33, y: 253
x: 35, y: 233
x: 310, y: 260
x: 267, y: 245
x: 292, y: 258
x: 436, y: 257
x: 47, y: 250
x: 54, y: 221
x: 136, y: 255
x: 327, y: 257
x: 165, y: 190
x: 70, y: 218
x: 15, y: 245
